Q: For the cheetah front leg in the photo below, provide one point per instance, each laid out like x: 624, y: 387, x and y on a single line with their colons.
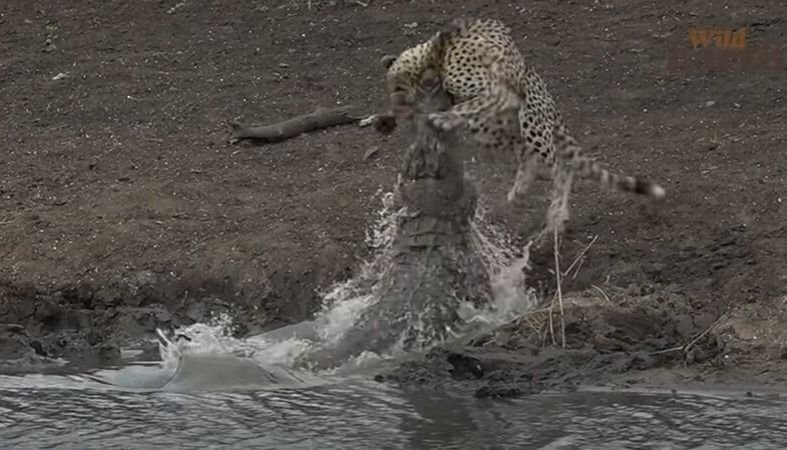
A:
x: 461, y: 114
x: 532, y: 144
x: 497, y: 100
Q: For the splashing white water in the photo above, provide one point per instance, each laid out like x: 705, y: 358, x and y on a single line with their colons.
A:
x: 345, y: 302
x: 506, y: 270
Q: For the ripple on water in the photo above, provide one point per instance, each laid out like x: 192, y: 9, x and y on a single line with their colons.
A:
x: 366, y: 415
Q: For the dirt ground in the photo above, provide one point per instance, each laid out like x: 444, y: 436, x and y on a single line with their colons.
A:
x: 123, y: 206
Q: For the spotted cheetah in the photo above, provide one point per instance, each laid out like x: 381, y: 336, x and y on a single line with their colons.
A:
x: 505, y: 105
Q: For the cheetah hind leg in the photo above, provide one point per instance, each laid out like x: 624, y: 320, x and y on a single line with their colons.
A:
x: 537, y: 141
x: 516, y: 198
x: 526, y: 173
x: 558, y: 211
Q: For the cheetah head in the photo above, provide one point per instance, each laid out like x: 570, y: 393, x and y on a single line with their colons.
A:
x: 403, y: 72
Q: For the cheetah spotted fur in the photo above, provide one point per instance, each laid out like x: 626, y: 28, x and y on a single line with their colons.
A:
x: 505, y: 105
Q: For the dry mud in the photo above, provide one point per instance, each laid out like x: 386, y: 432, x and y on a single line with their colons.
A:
x: 124, y: 208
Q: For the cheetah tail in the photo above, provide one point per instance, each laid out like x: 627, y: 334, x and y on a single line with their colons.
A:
x: 588, y: 167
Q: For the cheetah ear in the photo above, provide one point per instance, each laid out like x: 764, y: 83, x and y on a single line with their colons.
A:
x: 387, y: 60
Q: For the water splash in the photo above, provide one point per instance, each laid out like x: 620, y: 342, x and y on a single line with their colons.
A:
x: 344, y: 303
x: 379, y: 239
x: 506, y: 267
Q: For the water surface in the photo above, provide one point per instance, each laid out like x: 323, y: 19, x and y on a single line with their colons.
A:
x: 73, y: 412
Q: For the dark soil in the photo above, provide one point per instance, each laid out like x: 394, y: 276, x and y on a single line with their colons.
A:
x: 123, y: 206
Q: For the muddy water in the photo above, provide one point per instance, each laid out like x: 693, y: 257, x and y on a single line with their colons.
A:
x: 73, y: 412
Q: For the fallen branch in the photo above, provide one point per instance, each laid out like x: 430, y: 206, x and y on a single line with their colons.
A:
x: 318, y: 119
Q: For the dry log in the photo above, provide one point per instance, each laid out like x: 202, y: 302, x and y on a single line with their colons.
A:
x: 318, y: 119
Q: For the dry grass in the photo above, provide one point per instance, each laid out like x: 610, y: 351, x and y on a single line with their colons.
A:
x: 685, y: 348
x: 603, y: 294
x: 558, y: 296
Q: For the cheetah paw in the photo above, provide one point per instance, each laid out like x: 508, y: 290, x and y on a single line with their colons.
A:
x: 515, y: 195
x: 446, y: 121
x: 511, y: 196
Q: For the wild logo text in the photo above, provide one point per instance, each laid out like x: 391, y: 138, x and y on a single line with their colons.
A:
x: 732, y: 39
x: 724, y: 49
